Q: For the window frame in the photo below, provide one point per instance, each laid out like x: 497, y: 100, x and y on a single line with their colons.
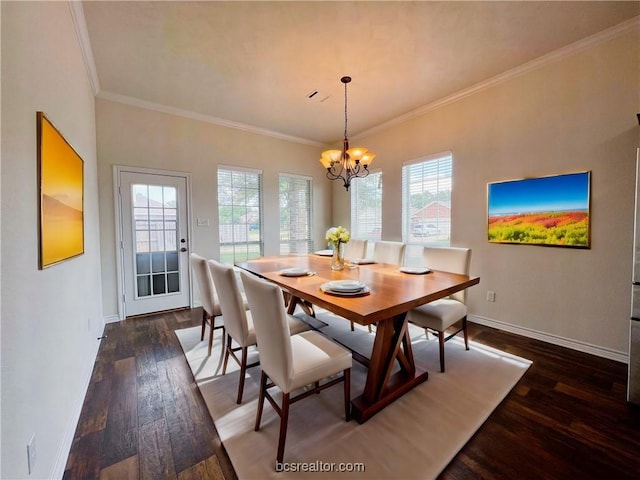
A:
x: 370, y: 230
x: 293, y: 245
x: 436, y: 229
x: 236, y: 229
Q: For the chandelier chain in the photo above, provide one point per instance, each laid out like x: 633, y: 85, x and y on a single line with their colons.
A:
x: 345, y: 110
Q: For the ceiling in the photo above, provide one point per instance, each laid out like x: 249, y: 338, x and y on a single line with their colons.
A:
x: 253, y: 64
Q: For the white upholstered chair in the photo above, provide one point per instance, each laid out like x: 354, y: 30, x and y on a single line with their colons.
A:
x: 389, y: 252
x: 291, y: 361
x: 439, y: 315
x: 208, y: 297
x: 355, y: 249
x: 238, y: 321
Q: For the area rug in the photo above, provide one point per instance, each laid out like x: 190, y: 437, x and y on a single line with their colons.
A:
x: 413, y: 438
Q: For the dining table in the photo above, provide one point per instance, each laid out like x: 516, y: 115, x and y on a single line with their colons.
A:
x: 389, y: 294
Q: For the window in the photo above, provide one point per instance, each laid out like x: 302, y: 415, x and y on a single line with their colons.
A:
x: 295, y: 214
x: 239, y: 214
x: 426, y: 203
x: 366, y: 207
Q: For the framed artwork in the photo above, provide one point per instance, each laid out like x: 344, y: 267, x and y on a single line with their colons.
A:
x: 61, y: 196
x: 551, y: 211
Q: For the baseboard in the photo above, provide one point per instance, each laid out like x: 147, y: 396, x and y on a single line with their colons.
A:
x: 116, y: 318
x: 553, y: 339
x: 111, y: 319
x: 65, y: 447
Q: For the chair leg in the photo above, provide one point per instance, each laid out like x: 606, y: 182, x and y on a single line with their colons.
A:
x: 369, y: 326
x: 263, y: 389
x: 347, y: 394
x: 204, y: 324
x: 210, y: 338
x: 284, y: 420
x: 226, y: 354
x: 352, y: 327
x: 243, y: 371
x: 466, y: 334
x: 441, y: 342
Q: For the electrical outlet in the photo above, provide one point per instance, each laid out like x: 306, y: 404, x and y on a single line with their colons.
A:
x: 491, y: 296
x: 31, y: 453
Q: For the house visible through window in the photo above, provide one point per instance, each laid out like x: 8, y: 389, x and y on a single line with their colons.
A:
x: 366, y: 207
x: 426, y: 203
x: 295, y: 214
x: 239, y: 214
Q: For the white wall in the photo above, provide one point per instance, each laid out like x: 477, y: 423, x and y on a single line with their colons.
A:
x: 132, y: 136
x: 50, y: 318
x: 573, y: 114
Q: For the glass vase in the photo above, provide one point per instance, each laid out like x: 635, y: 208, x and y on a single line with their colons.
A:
x: 337, y: 260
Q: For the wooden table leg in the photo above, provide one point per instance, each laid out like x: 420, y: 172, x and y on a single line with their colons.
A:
x: 307, y: 307
x: 392, y: 342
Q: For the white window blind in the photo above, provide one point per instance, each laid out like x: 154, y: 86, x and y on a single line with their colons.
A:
x: 295, y: 214
x: 426, y: 200
x: 239, y: 214
x: 366, y: 207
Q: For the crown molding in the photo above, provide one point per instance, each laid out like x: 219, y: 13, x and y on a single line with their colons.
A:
x: 571, y: 49
x: 80, y: 26
x: 79, y: 22
x: 136, y: 102
x: 82, y: 33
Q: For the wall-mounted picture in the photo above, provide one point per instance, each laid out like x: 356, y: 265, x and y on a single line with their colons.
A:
x: 61, y: 191
x: 550, y: 210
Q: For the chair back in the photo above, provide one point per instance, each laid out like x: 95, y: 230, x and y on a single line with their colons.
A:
x: 449, y: 259
x: 355, y: 249
x: 272, y: 328
x: 233, y: 312
x: 208, y: 295
x: 389, y: 252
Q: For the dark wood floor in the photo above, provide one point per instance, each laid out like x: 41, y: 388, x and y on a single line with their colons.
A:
x: 144, y: 417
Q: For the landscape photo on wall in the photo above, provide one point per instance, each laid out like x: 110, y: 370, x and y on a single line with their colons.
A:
x: 61, y: 195
x: 551, y: 211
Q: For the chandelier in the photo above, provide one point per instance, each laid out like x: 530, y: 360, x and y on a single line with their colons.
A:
x: 347, y: 163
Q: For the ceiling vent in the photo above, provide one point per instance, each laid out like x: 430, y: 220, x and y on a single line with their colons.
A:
x: 316, y: 97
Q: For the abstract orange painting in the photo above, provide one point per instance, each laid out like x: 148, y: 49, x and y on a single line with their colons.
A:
x: 61, y: 192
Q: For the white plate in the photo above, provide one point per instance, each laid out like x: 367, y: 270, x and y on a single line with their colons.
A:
x: 363, y: 291
x: 415, y: 270
x: 364, y: 261
x: 294, y: 272
x: 345, y: 286
x: 324, y: 253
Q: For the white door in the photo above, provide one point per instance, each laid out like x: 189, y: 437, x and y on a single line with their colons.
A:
x: 155, y: 254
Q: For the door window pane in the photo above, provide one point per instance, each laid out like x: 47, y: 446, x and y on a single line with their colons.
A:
x: 156, y: 233
x: 159, y: 284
